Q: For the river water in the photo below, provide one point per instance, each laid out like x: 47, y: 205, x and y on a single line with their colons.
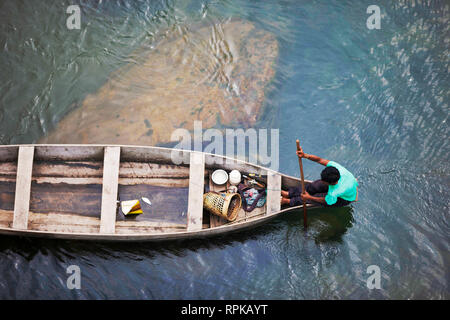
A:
x: 376, y: 101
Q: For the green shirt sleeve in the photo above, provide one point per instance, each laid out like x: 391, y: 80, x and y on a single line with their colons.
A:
x: 333, y: 164
x: 330, y: 199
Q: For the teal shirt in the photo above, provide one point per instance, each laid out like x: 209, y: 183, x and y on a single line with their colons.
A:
x: 345, y: 188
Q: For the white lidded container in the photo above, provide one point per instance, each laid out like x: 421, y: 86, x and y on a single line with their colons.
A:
x: 235, y: 177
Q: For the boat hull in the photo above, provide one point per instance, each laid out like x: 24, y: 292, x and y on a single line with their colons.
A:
x: 70, y: 192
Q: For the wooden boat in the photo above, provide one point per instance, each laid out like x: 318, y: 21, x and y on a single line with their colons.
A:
x: 71, y: 192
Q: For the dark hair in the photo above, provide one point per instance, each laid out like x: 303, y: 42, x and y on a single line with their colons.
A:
x: 330, y: 175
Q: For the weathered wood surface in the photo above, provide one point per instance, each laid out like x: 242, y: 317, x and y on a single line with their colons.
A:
x: 169, y: 204
x: 6, y: 218
x: 70, y: 207
x: 9, y: 153
x: 110, y: 189
x: 73, y: 210
x: 196, y: 190
x: 63, y: 222
x: 85, y: 169
x: 74, y: 223
x: 23, y: 187
x: 75, y: 188
x: 81, y: 199
x: 69, y: 152
x: 273, y: 192
x: 91, y: 172
x: 7, y: 194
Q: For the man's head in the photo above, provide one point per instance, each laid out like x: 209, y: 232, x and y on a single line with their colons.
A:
x: 330, y: 175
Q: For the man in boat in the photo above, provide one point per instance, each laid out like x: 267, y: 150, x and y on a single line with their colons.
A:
x: 336, y: 187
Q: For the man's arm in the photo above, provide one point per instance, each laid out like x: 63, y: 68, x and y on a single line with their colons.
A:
x: 312, y: 157
x: 307, y: 196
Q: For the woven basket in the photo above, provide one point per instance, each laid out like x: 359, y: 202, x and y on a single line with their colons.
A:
x: 225, y: 207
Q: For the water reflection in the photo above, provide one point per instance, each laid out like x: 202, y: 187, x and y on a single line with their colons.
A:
x: 324, y: 224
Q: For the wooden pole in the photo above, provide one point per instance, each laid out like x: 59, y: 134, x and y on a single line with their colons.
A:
x: 303, y: 186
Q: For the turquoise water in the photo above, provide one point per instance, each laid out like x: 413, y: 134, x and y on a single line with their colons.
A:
x: 375, y: 101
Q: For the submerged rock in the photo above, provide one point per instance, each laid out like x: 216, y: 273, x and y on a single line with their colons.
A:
x: 217, y: 74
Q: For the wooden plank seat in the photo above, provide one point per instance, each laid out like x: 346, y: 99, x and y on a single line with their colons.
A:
x: 23, y: 187
x: 110, y: 189
x: 196, y: 190
x: 273, y: 192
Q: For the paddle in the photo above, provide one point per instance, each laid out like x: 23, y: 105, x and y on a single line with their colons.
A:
x: 303, y: 185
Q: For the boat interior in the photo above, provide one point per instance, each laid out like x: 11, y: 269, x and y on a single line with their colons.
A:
x: 77, y: 188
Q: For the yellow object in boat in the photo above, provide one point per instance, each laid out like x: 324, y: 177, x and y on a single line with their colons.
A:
x: 131, y: 207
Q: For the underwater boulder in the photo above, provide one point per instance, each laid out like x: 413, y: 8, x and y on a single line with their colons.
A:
x: 217, y: 74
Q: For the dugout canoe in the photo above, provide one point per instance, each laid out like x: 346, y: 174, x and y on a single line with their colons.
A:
x: 71, y: 192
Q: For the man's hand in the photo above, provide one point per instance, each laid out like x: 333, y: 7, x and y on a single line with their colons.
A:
x: 305, y: 196
x: 300, y: 153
